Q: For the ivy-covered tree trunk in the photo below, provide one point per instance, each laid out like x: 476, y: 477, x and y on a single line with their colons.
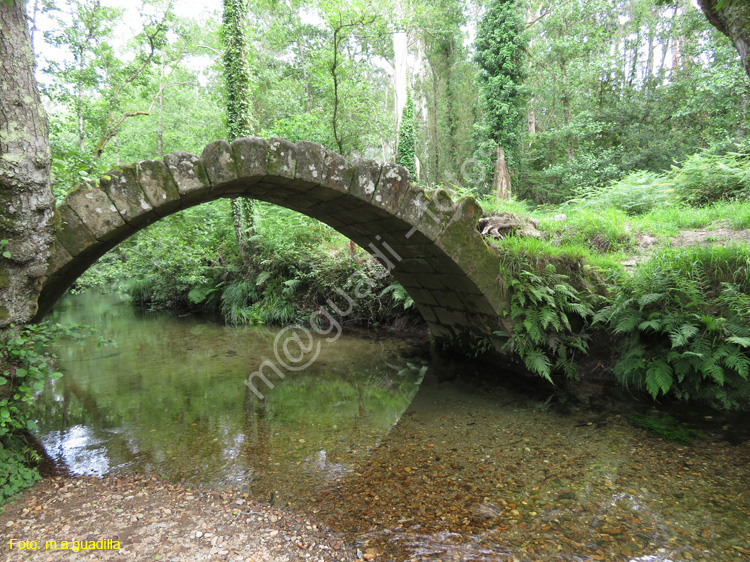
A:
x: 500, y: 47
x: 405, y: 149
x: 26, y: 203
x: 239, y: 114
x: 732, y: 18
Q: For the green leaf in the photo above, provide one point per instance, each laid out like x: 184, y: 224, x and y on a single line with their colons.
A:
x: 743, y: 342
x: 659, y: 378
x: 538, y: 362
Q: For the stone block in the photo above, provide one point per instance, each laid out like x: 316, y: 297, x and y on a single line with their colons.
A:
x: 311, y: 164
x: 123, y: 189
x: 414, y: 204
x: 251, y: 157
x: 365, y: 176
x: 426, y: 311
x: 59, y: 258
x: 282, y: 161
x: 96, y: 211
x: 447, y: 299
x: 441, y: 331
x: 453, y: 318
x: 189, y: 175
x: 339, y: 172
x: 421, y: 296
x: 218, y: 161
x: 158, y: 186
x: 415, y: 265
x: 438, y: 214
x: 392, y: 185
x: 460, y: 284
x: 72, y: 234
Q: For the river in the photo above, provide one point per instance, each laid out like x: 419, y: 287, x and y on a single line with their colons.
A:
x: 414, y: 457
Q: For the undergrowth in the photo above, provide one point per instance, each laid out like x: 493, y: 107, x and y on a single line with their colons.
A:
x: 553, y: 296
x: 26, y: 362
x: 684, y: 320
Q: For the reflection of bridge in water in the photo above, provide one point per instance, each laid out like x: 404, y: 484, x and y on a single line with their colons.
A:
x: 428, y: 242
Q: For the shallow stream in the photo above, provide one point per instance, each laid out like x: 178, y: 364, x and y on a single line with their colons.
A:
x: 417, y: 458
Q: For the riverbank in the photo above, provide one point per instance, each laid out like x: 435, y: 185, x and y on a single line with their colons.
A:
x: 151, y: 519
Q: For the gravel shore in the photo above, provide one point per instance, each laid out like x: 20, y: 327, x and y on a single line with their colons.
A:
x: 150, y: 519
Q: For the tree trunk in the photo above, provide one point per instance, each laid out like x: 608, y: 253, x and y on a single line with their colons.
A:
x: 733, y: 20
x: 501, y: 180
x: 25, y: 196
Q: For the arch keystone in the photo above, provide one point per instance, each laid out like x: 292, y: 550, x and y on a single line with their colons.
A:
x: 311, y: 164
x: 339, y: 172
x: 218, y: 162
x: 282, y: 160
x: 188, y: 174
x: 251, y: 157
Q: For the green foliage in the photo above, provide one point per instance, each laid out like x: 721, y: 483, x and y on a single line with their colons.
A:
x: 602, y: 231
x: 400, y: 297
x: 683, y: 316
x: 551, y: 309
x: 500, y: 46
x: 405, y: 150
x: 635, y: 194
x: 5, y: 253
x: 237, y: 69
x: 26, y: 362
x: 708, y: 177
x: 665, y: 426
x: 605, y: 102
x: 17, y: 469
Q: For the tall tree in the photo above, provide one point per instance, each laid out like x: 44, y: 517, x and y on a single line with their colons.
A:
x: 732, y: 18
x: 500, y: 46
x: 25, y: 195
x: 239, y: 106
x: 405, y: 149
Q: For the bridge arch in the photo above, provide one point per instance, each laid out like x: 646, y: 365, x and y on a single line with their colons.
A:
x: 428, y: 242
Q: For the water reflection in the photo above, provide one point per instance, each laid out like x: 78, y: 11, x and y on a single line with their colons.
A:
x: 170, y: 400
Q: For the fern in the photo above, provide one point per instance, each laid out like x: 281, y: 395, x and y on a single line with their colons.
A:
x: 685, y: 331
x: 547, y: 306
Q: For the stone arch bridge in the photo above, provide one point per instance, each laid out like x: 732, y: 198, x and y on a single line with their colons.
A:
x: 429, y: 242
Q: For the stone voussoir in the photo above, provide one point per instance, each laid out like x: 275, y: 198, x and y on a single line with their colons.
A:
x: 123, y: 189
x: 365, y: 177
x: 71, y: 233
x: 97, y: 211
x: 218, y: 161
x: 251, y: 157
x: 188, y: 174
x: 282, y: 161
x: 158, y: 186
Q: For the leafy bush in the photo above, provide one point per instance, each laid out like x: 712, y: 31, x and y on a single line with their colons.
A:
x: 17, y: 471
x: 599, y: 231
x: 25, y: 364
x: 707, y: 177
x: 684, y: 316
x: 635, y: 194
x: 551, y: 309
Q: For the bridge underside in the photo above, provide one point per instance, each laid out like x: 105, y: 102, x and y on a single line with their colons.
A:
x: 428, y: 242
